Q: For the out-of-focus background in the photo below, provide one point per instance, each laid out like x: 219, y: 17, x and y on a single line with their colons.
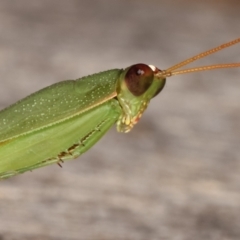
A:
x: 176, y: 175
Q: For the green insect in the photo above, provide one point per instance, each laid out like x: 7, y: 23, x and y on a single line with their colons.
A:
x: 64, y: 120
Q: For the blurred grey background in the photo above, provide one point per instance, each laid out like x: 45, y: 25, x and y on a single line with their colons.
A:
x: 176, y: 175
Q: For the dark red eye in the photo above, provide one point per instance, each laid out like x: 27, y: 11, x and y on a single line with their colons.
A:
x: 139, y: 78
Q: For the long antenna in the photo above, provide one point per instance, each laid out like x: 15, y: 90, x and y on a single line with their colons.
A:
x: 170, y: 71
x: 203, y: 68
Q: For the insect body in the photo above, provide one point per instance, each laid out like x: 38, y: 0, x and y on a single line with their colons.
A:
x: 64, y: 120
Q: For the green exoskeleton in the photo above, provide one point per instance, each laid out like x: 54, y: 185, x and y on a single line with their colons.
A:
x: 64, y: 120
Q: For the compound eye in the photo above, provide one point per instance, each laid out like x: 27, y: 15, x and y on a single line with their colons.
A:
x: 139, y: 78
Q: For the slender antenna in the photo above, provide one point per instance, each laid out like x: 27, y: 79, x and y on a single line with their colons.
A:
x: 203, y: 68
x: 202, y: 55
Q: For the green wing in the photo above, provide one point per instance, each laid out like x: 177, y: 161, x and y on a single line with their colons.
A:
x: 62, y: 141
x: 57, y: 103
